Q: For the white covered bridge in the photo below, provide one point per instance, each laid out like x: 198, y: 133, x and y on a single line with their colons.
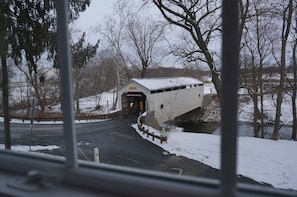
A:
x: 165, y: 98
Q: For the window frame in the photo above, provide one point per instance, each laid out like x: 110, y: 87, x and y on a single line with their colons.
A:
x: 73, y: 175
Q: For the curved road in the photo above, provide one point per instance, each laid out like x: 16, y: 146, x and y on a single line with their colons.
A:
x: 118, y: 144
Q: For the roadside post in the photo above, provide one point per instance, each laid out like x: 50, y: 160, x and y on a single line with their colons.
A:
x: 32, y: 103
x: 96, y: 155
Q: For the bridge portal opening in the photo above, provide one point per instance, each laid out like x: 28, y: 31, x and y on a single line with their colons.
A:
x: 133, y: 103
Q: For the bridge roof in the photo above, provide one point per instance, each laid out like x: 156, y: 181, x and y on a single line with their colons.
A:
x: 163, y: 83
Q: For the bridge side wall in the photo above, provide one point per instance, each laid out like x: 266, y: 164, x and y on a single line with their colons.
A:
x: 171, y: 104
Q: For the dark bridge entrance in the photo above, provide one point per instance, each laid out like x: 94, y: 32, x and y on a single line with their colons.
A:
x: 133, y: 103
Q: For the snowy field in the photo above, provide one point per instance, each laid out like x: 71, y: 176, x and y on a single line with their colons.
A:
x: 263, y: 160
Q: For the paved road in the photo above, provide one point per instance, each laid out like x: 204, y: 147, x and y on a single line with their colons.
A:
x: 118, y: 144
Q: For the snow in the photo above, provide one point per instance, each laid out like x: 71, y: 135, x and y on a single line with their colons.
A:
x: 23, y: 148
x: 209, y: 88
x: 163, y: 83
x: 88, y: 104
x: 269, y: 103
x: 263, y: 160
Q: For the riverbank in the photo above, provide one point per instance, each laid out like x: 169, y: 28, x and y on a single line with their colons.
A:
x: 245, y: 129
x: 246, y: 106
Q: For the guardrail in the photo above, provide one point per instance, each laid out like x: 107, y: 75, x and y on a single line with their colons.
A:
x: 59, y: 117
x: 147, y: 132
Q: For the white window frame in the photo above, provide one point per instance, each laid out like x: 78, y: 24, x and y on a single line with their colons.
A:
x: 72, y: 177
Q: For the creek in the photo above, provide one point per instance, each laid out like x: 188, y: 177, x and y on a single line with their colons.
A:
x: 245, y: 129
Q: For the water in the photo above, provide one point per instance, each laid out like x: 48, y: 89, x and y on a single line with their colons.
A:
x: 198, y: 127
x: 245, y: 129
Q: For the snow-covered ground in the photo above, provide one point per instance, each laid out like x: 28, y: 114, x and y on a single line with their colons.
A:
x: 260, y: 159
x: 89, y: 105
x: 263, y: 160
x: 23, y: 148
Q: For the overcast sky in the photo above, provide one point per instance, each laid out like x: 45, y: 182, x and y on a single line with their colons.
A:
x: 97, y: 10
x: 93, y: 16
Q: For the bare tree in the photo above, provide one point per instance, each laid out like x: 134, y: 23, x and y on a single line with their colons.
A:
x: 52, y: 87
x: 82, y: 53
x: 286, y: 15
x: 144, y: 36
x: 249, y: 82
x: 244, y: 6
x: 294, y: 84
x: 294, y: 111
x: 133, y: 37
x: 257, y: 46
x: 101, y: 73
x: 38, y: 82
x: 113, y: 33
x: 201, y: 19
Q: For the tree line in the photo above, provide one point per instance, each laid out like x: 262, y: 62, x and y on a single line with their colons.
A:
x: 191, y: 31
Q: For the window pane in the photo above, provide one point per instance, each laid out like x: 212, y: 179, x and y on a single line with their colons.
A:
x: 148, y: 95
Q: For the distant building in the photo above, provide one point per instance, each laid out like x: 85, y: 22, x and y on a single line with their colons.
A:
x: 166, y: 98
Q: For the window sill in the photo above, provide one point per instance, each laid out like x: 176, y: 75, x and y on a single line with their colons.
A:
x: 105, y: 180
